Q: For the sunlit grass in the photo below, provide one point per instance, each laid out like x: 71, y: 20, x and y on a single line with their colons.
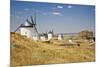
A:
x: 25, y: 51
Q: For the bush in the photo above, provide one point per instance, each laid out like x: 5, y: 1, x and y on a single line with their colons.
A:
x: 86, y: 34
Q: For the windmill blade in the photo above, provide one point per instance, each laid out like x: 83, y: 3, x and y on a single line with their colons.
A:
x: 32, y: 21
x: 18, y: 28
x: 36, y: 29
x: 28, y: 21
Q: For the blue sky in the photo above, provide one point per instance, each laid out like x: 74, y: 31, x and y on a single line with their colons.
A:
x: 62, y: 18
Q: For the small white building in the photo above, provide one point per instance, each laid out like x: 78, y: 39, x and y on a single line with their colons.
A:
x: 43, y: 37
x: 70, y: 41
x: 60, y: 37
x: 50, y: 35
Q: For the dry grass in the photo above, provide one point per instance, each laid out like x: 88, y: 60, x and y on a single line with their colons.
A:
x: 25, y: 51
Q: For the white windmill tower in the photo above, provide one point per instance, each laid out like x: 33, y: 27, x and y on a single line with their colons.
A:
x: 29, y: 28
x: 50, y: 35
x: 60, y: 37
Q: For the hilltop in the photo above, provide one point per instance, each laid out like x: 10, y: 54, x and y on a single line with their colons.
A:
x: 25, y: 51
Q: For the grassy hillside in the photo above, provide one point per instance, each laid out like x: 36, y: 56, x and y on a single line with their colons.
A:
x: 25, y: 51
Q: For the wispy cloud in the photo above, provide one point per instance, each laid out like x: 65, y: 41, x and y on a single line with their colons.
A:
x: 69, y: 6
x: 56, y: 13
x: 60, y: 7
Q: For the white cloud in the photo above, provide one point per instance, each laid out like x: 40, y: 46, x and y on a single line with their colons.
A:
x: 56, y: 13
x: 60, y: 7
x: 69, y: 6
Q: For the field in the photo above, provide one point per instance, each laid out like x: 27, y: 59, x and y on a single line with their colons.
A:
x: 25, y: 51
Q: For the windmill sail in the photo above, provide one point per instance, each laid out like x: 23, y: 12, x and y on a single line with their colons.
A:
x: 36, y: 29
x: 32, y: 21
x: 35, y: 21
x: 28, y: 21
x: 18, y: 28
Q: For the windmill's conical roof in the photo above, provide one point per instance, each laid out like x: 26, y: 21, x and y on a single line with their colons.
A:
x: 27, y: 24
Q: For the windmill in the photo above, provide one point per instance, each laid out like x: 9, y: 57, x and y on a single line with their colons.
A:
x: 34, y: 23
x: 29, y: 27
x: 18, y: 27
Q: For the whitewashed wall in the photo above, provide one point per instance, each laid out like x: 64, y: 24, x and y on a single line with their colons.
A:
x: 27, y: 32
x: 50, y: 36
